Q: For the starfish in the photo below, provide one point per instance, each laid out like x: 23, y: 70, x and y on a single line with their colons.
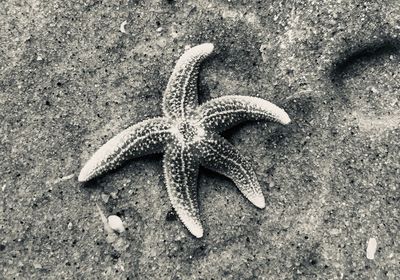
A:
x: 187, y: 134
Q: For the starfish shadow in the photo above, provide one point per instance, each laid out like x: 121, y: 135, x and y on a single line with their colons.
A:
x: 97, y: 182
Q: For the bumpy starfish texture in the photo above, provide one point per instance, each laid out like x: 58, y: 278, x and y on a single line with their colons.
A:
x: 187, y: 135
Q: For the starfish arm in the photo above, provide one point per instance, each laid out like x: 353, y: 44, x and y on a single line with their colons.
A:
x: 227, y: 111
x: 146, y: 137
x: 219, y: 155
x: 180, y: 171
x: 180, y: 97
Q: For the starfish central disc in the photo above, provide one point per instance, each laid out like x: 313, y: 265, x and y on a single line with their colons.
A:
x: 189, y: 132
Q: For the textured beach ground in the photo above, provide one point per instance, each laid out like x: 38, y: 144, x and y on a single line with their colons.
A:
x: 75, y: 73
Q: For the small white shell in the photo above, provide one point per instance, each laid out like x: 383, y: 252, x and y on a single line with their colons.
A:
x: 122, y: 26
x: 371, y: 248
x: 116, y: 224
